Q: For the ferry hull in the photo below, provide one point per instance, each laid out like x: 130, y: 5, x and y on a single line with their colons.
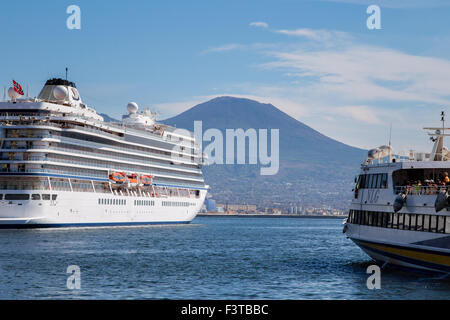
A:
x: 407, y: 249
x: 407, y: 257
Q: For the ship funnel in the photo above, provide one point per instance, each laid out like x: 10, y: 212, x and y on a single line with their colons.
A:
x: 61, y: 91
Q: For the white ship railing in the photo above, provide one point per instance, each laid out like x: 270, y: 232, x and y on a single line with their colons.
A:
x: 419, y: 189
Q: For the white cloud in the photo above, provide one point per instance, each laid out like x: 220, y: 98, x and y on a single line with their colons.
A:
x: 226, y: 47
x: 362, y: 114
x: 351, y: 91
x: 316, y: 35
x: 259, y: 24
x: 368, y: 73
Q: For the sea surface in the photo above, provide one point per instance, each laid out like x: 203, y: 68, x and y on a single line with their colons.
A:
x: 212, y: 258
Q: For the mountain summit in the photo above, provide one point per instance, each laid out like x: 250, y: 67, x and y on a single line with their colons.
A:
x: 313, y: 167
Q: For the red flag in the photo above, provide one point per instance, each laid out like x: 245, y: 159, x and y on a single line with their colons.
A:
x: 18, y: 88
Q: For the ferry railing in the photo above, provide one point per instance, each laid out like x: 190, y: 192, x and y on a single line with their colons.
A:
x: 420, y: 190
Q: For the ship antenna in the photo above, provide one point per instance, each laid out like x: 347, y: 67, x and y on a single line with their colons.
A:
x: 4, y: 94
x: 390, y: 136
x: 66, y: 72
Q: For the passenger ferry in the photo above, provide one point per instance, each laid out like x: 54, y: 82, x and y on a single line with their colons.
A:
x: 61, y: 165
x: 400, y: 211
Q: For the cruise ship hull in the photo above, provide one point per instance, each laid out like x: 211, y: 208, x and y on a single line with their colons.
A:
x: 80, y: 209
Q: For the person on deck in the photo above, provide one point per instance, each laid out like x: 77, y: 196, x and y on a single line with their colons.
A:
x: 446, y: 178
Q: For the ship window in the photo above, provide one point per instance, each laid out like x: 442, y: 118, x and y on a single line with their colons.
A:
x: 376, y: 181
x: 1, y: 196
x: 17, y: 196
x: 385, y: 219
x: 419, y: 223
x: 447, y: 225
x: 384, y: 182
x: 54, y: 196
x: 412, y: 222
x: 369, y: 183
x: 45, y: 197
x: 426, y: 223
x: 35, y: 196
x: 433, y: 223
x: 441, y: 224
x: 395, y: 221
x: 407, y: 221
x: 365, y: 181
x: 380, y: 219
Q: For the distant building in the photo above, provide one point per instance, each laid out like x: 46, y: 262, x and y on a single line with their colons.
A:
x: 210, y: 205
x: 238, y: 208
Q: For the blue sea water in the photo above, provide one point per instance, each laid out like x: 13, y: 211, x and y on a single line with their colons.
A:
x: 212, y: 258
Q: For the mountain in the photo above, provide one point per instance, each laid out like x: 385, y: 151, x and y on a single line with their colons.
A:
x: 107, y: 118
x: 315, y: 170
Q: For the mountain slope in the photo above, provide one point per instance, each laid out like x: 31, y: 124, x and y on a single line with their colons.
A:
x: 314, y: 169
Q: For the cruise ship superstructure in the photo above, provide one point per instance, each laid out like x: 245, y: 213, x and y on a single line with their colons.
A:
x: 400, y: 211
x: 62, y: 165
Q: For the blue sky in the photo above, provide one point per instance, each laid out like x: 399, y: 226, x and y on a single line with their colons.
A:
x: 315, y: 60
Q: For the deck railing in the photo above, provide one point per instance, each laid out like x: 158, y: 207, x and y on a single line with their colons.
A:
x: 420, y: 190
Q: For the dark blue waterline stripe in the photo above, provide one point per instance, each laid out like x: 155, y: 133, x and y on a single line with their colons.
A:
x: 93, y: 224
x: 412, y: 261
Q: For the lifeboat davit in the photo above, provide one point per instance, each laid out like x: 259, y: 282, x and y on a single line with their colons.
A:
x: 146, y: 180
x: 117, y: 177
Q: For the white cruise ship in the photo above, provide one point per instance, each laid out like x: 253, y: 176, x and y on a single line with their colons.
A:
x: 400, y: 211
x: 62, y: 165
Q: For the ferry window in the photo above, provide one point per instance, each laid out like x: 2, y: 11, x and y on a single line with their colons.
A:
x: 419, y: 222
x: 366, y: 217
x: 45, y: 197
x: 441, y: 224
x: 376, y: 181
x: 385, y: 219
x: 1, y: 196
x: 35, y: 197
x: 395, y: 221
x: 362, y: 181
x: 426, y: 223
x: 54, y: 196
x: 412, y: 221
x: 384, y: 180
x: 401, y: 221
x: 407, y: 220
x: 447, y: 225
x: 18, y: 196
x: 369, y: 181
x: 380, y: 219
x: 433, y: 223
